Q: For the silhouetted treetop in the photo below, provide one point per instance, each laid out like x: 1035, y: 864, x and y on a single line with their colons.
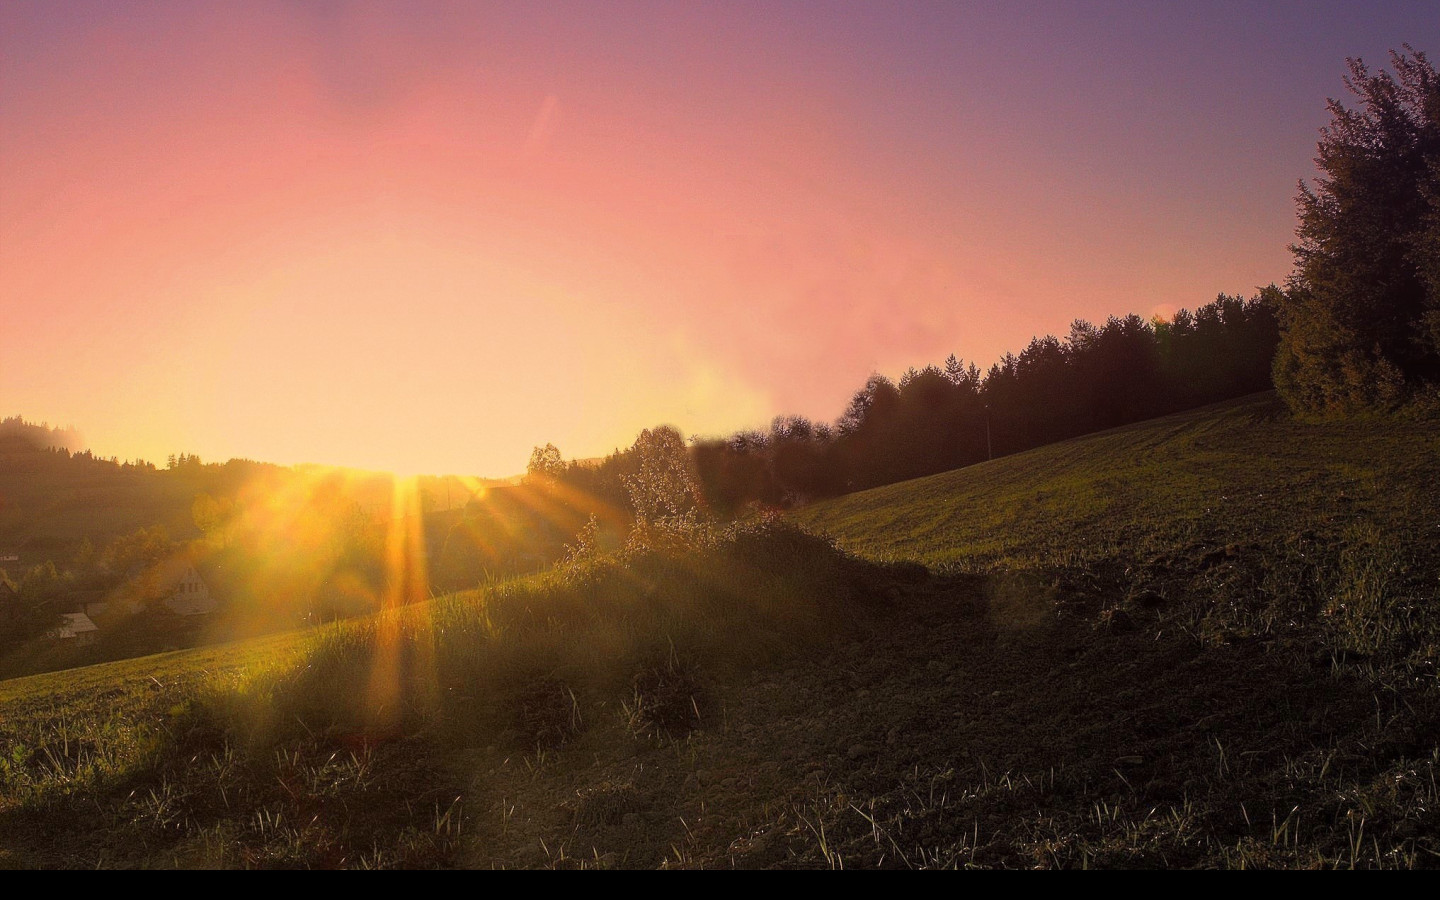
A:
x: 1361, y: 316
x: 942, y: 417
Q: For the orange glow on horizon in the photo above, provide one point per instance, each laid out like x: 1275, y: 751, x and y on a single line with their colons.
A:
x: 425, y: 238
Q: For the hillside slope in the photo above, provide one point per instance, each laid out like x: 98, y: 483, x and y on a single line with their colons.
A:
x: 1205, y: 640
x: 1230, y: 472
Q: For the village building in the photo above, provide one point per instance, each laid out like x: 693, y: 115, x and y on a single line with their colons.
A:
x: 190, y: 596
x: 76, y: 627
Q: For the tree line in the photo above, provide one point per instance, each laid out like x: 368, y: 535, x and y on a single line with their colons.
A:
x: 945, y: 416
x: 17, y: 433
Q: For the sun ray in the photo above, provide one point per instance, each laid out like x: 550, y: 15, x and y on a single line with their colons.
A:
x: 403, y: 665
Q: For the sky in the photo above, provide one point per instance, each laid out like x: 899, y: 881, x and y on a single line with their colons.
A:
x: 426, y: 237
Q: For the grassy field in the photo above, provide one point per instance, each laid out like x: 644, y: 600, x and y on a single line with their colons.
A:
x: 1233, y: 519
x: 1207, y: 640
x: 1240, y: 471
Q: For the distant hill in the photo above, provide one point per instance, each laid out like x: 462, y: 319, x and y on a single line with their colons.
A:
x: 51, y: 501
x: 279, y: 546
x: 54, y: 497
x: 16, y: 433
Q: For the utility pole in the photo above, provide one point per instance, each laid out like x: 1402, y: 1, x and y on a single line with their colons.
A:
x: 989, y: 453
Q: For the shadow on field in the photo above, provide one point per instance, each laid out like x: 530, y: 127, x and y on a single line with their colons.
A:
x: 1035, y: 735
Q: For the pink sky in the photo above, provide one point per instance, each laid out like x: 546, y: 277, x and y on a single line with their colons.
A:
x: 427, y: 237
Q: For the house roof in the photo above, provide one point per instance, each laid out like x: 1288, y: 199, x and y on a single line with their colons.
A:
x: 75, y: 624
x: 167, y: 574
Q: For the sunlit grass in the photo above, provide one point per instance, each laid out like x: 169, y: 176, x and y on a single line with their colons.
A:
x: 196, y: 752
x: 459, y: 665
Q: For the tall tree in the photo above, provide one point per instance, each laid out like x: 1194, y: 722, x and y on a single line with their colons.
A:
x: 545, y: 462
x: 1361, y: 319
x: 665, y: 488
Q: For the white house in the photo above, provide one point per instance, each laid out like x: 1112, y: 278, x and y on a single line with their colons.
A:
x: 190, y: 596
x: 76, y: 627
